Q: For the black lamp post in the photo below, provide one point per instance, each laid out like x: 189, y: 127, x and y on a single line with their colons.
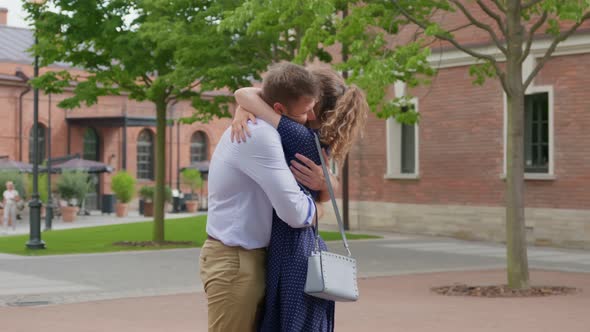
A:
x: 49, y: 207
x: 35, y: 241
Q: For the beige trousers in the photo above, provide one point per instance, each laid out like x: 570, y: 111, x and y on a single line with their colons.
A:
x: 234, y: 281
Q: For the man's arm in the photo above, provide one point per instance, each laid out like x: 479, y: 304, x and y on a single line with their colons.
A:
x: 263, y: 160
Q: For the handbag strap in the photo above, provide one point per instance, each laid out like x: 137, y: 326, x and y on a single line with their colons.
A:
x: 333, y: 198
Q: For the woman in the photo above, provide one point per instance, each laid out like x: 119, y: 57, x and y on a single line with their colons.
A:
x: 11, y: 197
x: 339, y: 116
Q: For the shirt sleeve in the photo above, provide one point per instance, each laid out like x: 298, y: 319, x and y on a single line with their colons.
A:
x: 262, y: 159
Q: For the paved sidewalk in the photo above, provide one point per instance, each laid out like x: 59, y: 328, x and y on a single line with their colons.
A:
x: 398, y: 303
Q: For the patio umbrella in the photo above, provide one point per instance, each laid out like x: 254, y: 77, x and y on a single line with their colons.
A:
x: 13, y: 165
x: 78, y: 164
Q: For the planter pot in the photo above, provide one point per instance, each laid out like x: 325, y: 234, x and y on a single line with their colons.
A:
x: 191, y: 206
x: 148, y: 209
x: 122, y: 209
x: 68, y: 213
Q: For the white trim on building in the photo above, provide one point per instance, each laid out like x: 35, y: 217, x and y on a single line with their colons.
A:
x: 576, y: 44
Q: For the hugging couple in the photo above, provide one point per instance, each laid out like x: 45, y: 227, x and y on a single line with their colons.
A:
x: 264, y: 181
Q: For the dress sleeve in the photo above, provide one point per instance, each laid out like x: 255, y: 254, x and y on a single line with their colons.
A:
x: 296, y: 138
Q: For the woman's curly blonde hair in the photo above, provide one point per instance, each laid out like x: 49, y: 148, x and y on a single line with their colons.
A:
x: 342, y: 112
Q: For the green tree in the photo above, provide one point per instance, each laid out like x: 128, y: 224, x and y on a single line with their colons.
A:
x: 515, y: 25
x: 320, y: 29
x: 158, y: 51
x: 363, y: 31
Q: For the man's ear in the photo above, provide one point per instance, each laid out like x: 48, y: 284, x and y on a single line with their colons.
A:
x: 279, y: 108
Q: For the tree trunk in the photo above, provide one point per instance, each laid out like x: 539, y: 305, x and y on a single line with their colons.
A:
x: 517, y: 263
x: 159, y: 193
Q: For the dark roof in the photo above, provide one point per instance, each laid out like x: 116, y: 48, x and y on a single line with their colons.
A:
x: 15, y: 43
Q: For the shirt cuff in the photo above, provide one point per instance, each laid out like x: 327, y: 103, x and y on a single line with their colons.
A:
x: 310, y: 212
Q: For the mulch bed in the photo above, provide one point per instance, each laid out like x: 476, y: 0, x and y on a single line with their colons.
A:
x: 502, y: 291
x: 152, y: 243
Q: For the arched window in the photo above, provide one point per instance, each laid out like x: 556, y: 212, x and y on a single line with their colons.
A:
x: 145, y: 155
x: 91, y: 145
x: 42, y: 132
x: 199, y: 147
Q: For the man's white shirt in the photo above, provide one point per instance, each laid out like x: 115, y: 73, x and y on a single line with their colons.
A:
x: 246, y: 181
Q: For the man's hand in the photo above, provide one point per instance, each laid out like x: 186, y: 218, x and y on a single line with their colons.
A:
x: 239, y: 125
x: 308, y: 173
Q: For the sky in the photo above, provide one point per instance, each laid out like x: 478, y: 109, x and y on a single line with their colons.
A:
x: 16, y: 14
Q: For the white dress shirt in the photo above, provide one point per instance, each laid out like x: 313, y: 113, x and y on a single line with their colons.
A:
x: 246, y: 181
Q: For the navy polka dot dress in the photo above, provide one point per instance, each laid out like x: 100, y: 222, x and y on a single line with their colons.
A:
x: 287, y: 308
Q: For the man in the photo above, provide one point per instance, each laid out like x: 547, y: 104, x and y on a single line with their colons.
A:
x: 246, y: 181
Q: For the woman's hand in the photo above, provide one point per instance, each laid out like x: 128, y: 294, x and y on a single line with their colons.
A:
x: 308, y: 173
x: 239, y: 125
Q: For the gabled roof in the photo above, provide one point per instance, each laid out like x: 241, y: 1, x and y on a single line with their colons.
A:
x: 14, y: 43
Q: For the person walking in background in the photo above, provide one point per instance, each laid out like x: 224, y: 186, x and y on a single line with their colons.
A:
x: 10, y: 199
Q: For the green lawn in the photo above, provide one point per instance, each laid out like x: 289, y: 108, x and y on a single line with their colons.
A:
x: 101, y: 238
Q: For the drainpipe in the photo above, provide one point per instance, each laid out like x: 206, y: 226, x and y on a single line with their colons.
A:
x: 25, y: 78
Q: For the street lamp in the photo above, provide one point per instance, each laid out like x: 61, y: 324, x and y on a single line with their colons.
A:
x: 35, y: 241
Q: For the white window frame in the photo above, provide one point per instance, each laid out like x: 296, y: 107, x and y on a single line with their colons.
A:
x: 394, y: 148
x: 550, y: 175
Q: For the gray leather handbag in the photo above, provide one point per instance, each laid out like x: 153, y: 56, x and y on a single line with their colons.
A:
x: 331, y: 276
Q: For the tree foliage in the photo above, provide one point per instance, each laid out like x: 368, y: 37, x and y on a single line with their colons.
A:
x: 366, y: 31
x: 158, y: 51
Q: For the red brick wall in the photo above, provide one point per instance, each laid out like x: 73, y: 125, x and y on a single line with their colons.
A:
x: 461, y: 146
x: 111, y: 139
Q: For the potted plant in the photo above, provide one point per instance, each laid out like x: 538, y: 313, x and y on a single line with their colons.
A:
x: 72, y: 187
x: 123, y: 186
x: 147, y: 195
x: 193, y: 178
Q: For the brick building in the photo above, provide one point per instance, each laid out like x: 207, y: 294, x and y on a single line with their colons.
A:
x: 116, y: 131
x: 443, y: 176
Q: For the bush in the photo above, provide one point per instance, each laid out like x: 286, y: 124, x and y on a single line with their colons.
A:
x: 193, y: 178
x: 17, y: 178
x: 73, y: 185
x: 147, y: 193
x: 123, y: 185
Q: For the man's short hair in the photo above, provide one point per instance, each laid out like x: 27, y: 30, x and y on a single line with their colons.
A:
x: 286, y: 82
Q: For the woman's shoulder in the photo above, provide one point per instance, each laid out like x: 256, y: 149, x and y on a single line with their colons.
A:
x: 292, y: 126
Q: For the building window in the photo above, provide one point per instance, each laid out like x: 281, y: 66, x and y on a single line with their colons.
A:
x: 145, y: 155
x: 199, y: 147
x: 408, y: 147
x: 402, y: 148
x: 91, y: 145
x: 42, y: 133
x: 536, y: 134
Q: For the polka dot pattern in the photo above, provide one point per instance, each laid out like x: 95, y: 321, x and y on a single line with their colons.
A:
x: 287, y: 308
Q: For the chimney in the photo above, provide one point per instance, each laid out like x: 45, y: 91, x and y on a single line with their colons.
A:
x: 3, y: 16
